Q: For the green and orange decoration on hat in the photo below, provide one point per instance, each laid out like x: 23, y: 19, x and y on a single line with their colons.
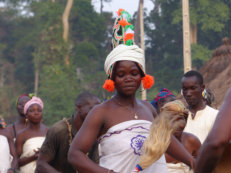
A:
x: 124, y: 49
x: 123, y: 30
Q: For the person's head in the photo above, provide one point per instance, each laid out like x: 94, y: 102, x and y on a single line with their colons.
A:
x: 176, y: 108
x: 20, y: 103
x: 192, y: 86
x: 127, y: 77
x: 163, y: 97
x: 125, y: 56
x: 84, y: 103
x: 2, y: 123
x: 33, y: 110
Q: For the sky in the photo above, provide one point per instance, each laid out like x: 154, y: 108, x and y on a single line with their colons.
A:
x: 129, y: 5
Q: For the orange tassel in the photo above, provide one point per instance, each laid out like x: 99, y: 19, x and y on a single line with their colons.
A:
x: 123, y: 23
x: 120, y: 11
x: 147, y: 81
x: 128, y: 36
x: 109, y: 85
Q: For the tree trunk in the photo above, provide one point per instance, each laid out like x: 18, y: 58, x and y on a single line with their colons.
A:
x: 186, y: 36
x: 101, y: 6
x: 65, y: 18
x: 36, y: 81
x: 137, y: 28
x: 2, y: 79
x: 141, y: 17
x: 193, y: 32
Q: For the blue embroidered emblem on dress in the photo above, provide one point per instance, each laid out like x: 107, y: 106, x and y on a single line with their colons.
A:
x: 137, y: 143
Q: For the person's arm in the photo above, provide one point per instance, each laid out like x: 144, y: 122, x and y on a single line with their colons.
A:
x: 14, y: 163
x: 153, y: 110
x: 43, y: 164
x: 220, y: 135
x: 25, y: 160
x: 84, y: 140
x: 192, y: 144
x: 178, y: 151
x: 47, y: 152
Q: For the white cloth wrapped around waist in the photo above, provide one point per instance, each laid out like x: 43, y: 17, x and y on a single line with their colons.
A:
x: 120, y: 147
x: 28, y: 150
x: 178, y: 168
x: 5, y: 157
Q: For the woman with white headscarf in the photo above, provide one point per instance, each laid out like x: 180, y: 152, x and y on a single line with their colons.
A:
x: 122, y: 123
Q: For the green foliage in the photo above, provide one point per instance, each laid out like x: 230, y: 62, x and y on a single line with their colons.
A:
x: 209, y: 14
x: 31, y: 39
x: 59, y: 88
x: 164, y: 55
x: 200, y: 55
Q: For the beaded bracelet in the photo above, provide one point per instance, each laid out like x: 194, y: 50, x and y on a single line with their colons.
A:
x: 139, y: 168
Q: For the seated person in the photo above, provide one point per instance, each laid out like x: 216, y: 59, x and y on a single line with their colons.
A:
x: 189, y: 141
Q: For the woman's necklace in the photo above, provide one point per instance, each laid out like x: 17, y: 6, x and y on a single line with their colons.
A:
x: 133, y: 112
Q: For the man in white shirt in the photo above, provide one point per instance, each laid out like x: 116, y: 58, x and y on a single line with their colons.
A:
x: 202, y: 116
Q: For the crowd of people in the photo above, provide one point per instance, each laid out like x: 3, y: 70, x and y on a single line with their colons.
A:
x: 123, y: 134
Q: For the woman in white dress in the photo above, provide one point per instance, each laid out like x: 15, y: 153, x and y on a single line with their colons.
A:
x: 29, y: 141
x: 122, y: 123
x: 8, y: 156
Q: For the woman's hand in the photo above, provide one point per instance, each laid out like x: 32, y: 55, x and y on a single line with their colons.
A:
x: 36, y: 153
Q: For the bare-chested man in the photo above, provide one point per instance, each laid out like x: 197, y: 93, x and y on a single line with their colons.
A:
x: 215, y: 153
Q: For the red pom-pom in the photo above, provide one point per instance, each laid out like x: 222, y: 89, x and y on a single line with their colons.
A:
x: 109, y: 85
x: 120, y: 11
x: 123, y: 23
x: 147, y: 81
x: 128, y: 36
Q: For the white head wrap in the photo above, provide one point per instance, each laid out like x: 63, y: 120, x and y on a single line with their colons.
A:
x: 124, y: 52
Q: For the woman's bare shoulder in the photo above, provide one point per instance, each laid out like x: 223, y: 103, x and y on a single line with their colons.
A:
x: 101, y: 108
x: 148, y: 106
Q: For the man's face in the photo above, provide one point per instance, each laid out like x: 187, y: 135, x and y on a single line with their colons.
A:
x: 192, y: 90
x: 88, y: 106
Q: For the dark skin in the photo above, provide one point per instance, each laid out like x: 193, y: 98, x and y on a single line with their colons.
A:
x: 217, y: 140
x: 14, y: 163
x: 21, y: 123
x: 189, y: 141
x: 35, y: 129
x: 102, y: 117
x: 43, y: 165
x: 192, y: 92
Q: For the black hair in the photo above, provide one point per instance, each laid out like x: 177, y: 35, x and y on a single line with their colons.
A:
x: 192, y: 73
x: 83, y: 98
